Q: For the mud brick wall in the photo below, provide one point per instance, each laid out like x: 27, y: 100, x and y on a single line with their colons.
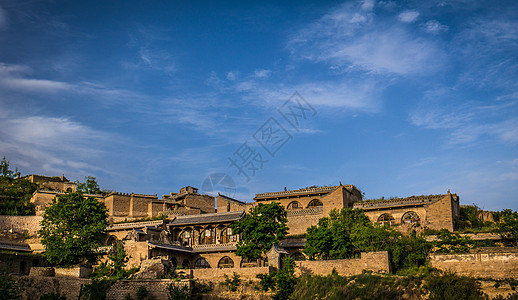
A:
x: 440, y: 214
x: 219, y: 274
x: 377, y: 262
x: 156, y: 288
x: 20, y: 224
x: 494, y: 265
x: 34, y: 287
x: 301, y: 219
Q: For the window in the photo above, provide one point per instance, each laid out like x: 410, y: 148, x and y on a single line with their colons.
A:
x: 201, y: 263
x: 410, y: 217
x: 314, y: 203
x: 386, y: 219
x: 226, y: 262
x: 294, y: 205
x: 246, y: 263
x: 185, y: 264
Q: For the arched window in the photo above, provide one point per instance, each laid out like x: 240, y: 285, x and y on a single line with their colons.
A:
x: 185, y: 237
x: 111, y: 240
x: 173, y: 262
x: 294, y: 205
x: 315, y: 202
x: 246, y: 263
x: 410, y: 217
x: 226, y: 262
x: 185, y: 264
x: 297, y: 256
x: 201, y: 263
x: 386, y: 219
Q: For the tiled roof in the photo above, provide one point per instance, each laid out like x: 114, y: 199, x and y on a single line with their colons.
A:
x: 398, y: 202
x: 208, y: 218
x: 292, y: 243
x: 15, y: 247
x: 231, y: 199
x: 316, y: 190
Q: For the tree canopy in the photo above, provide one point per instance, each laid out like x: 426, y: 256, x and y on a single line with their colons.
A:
x: 508, y: 226
x: 347, y: 233
x: 15, y: 193
x: 264, y: 225
x: 90, y: 186
x: 72, y: 228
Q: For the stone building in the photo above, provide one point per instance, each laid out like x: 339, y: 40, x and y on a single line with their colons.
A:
x: 196, y: 232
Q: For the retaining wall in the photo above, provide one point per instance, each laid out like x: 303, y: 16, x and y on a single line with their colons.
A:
x: 490, y: 264
x: 378, y: 262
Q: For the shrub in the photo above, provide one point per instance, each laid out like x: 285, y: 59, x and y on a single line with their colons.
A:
x: 233, y: 283
x: 53, y: 296
x: 450, y: 286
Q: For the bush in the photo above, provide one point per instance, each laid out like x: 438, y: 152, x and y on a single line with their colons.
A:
x: 450, y: 286
x: 178, y: 292
x: 233, y: 283
x: 96, y: 290
x: 9, y: 287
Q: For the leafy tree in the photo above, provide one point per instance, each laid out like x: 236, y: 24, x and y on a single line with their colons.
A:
x: 346, y: 233
x: 285, y: 279
x: 263, y: 226
x: 282, y: 281
x: 452, y: 242
x: 90, y: 186
x: 114, y: 268
x: 4, y: 169
x: 508, y: 226
x: 72, y: 228
x: 15, y: 193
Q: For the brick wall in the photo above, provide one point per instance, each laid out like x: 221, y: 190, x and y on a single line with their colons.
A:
x: 219, y: 274
x: 204, y: 202
x: 20, y: 224
x: 299, y: 223
x: 156, y: 288
x: 377, y: 262
x: 494, y: 265
x: 440, y: 214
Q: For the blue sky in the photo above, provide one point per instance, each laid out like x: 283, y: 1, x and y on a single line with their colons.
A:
x: 398, y: 98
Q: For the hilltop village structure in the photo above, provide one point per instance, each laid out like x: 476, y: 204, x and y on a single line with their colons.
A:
x: 196, y: 233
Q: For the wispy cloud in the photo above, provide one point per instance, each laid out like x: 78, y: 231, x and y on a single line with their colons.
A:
x: 13, y: 77
x: 52, y: 145
x: 350, y: 36
x: 408, y: 16
x: 466, y: 121
x: 434, y: 27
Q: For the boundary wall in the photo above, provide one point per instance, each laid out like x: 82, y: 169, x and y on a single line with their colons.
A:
x: 491, y: 264
x: 20, y: 224
x: 377, y: 262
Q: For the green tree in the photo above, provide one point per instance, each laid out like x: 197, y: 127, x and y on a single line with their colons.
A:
x: 90, y: 186
x: 508, y: 226
x: 9, y: 287
x: 4, y: 169
x: 15, y: 193
x: 264, y: 225
x: 346, y: 233
x: 72, y: 228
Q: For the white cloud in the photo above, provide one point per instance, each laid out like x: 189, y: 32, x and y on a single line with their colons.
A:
x: 12, y: 78
x: 357, y: 39
x: 262, y: 73
x: 434, y: 27
x: 368, y: 5
x: 232, y: 75
x: 53, y: 145
x: 408, y: 16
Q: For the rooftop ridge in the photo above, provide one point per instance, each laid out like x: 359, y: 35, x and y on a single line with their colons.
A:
x: 302, y: 191
x: 230, y: 198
